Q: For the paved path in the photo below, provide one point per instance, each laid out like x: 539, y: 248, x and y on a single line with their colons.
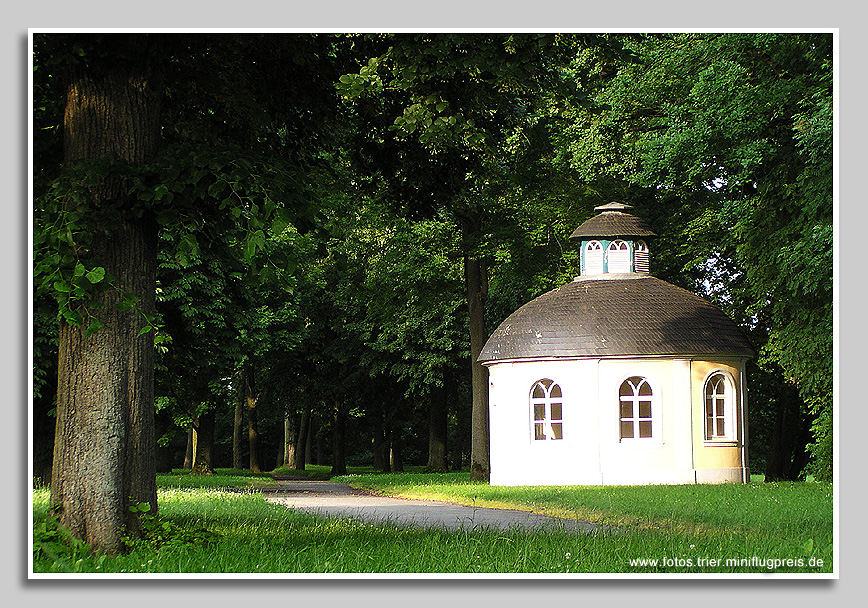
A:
x: 328, y: 498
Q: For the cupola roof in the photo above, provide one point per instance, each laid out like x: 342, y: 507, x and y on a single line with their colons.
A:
x: 612, y: 221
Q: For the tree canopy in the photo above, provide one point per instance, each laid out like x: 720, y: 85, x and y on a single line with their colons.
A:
x: 333, y: 223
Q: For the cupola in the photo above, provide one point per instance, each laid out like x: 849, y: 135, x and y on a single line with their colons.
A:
x: 614, y: 242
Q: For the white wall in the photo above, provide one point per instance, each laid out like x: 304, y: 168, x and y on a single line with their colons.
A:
x: 516, y: 458
x: 591, y: 451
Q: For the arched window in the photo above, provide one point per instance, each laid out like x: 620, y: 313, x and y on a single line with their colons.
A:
x: 718, y: 408
x: 593, y: 258
x: 546, y: 405
x: 619, y: 256
x: 636, y: 401
x: 641, y: 263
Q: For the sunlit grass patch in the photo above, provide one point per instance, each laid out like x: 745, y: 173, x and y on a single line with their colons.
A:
x: 243, y: 533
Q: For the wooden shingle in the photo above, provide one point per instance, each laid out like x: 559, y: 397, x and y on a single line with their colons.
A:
x: 618, y: 315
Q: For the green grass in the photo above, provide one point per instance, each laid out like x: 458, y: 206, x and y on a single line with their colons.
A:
x: 235, y: 532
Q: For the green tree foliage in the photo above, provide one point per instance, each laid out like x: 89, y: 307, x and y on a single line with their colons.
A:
x: 733, y: 131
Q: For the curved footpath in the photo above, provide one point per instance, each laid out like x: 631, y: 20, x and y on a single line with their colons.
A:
x: 330, y: 499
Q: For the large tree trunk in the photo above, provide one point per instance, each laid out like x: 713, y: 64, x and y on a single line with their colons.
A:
x: 286, y: 455
x: 339, y: 426
x: 203, y: 444
x: 104, y: 449
x: 188, y: 454
x: 252, y: 421
x: 302, y: 450
x: 437, y: 428
x: 476, y: 281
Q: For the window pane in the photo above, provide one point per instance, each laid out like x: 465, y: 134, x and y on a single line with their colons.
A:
x: 644, y: 409
x: 626, y: 389
x: 709, y: 427
x: 556, y: 411
x: 626, y: 409
x: 645, y: 389
x: 538, y: 432
x: 557, y: 430
x: 556, y: 392
x: 645, y: 428
x: 709, y: 407
x: 539, y: 411
x: 538, y: 392
x: 720, y: 427
x: 626, y: 429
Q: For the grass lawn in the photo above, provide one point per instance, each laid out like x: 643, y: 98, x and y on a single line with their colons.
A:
x: 775, y: 527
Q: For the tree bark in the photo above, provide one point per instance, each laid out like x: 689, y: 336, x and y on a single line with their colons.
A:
x: 188, y: 454
x: 303, y: 444
x: 252, y: 421
x: 476, y: 281
x: 286, y: 455
x: 105, y: 449
x: 203, y: 451
x: 437, y: 428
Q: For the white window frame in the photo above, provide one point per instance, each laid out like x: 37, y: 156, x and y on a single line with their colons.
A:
x: 547, y: 423
x: 655, y: 439
x: 621, y: 249
x: 594, y: 252
x: 726, y: 401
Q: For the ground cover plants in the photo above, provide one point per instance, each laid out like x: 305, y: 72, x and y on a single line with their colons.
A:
x: 774, y: 527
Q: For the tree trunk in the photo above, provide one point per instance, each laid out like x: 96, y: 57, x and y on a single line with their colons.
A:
x: 104, y: 448
x: 188, y: 454
x: 396, y: 457
x: 237, y: 429
x: 203, y: 443
x: 290, y: 438
x: 476, y: 281
x: 339, y: 461
x: 252, y: 421
x: 303, y: 449
x: 381, y: 446
x: 315, y: 456
x: 437, y: 428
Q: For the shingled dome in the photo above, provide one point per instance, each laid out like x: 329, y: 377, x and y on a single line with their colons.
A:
x: 628, y: 315
x: 613, y: 222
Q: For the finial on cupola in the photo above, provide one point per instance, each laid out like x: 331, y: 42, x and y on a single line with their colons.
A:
x: 614, y: 242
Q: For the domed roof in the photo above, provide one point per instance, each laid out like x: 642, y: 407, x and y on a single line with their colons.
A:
x: 612, y: 221
x: 613, y: 315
